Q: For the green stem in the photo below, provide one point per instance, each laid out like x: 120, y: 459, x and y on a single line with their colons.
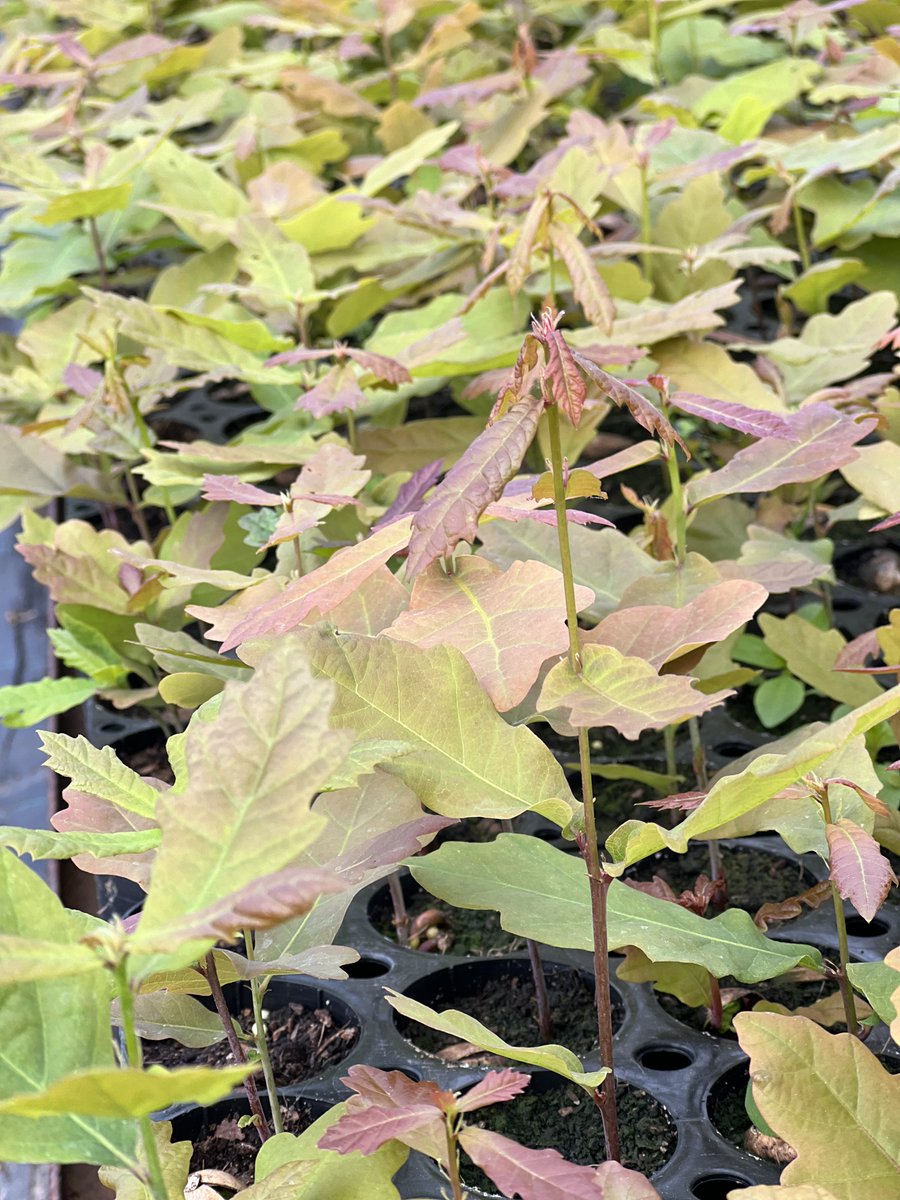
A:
x: 453, y: 1159
x: 351, y: 430
x: 653, y: 23
x: 644, y: 255
x: 841, y: 923
x: 262, y: 1045
x: 157, y: 1180
x: 800, y: 232
x: 677, y: 494
x: 598, y: 880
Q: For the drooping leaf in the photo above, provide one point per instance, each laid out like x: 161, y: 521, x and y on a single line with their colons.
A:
x: 588, y: 285
x: 756, y: 422
x: 531, y: 1174
x: 660, y: 635
x: 502, y: 874
x: 164, y: 1014
x: 54, y: 1026
x: 647, y: 415
x: 506, y: 623
x: 520, y: 259
x: 123, y: 1092
x: 469, y: 763
x: 323, y: 589
x: 862, y: 874
x: 618, y: 690
x: 878, y: 982
x: 467, y: 1029
x: 451, y: 514
x: 100, y: 773
x: 252, y: 775
x: 822, y: 440
x: 800, y: 1078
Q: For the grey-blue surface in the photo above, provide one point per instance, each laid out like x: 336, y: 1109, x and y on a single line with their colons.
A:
x: 23, y: 657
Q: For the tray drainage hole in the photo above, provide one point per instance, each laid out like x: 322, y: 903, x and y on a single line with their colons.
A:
x: 716, y: 1187
x: 367, y: 968
x: 732, y: 749
x: 857, y: 927
x: 664, y: 1058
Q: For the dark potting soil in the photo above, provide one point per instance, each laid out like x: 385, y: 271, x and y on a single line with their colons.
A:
x: 753, y: 876
x: 566, y: 1119
x: 226, y: 1146
x: 814, y: 708
x: 507, y: 1005
x: 617, y: 801
x: 303, y: 1042
x: 475, y: 932
x: 150, y: 760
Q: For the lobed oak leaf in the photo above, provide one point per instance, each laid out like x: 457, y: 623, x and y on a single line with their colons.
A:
x: 452, y: 513
x: 387, y: 1089
x: 496, y: 1087
x: 388, y: 370
x: 230, y: 487
x: 530, y: 1174
x: 861, y: 872
x: 364, y: 1130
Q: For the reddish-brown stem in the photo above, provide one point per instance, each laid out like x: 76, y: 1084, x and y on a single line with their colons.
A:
x: 237, y: 1050
x: 398, y: 901
x: 715, y: 1004
x: 98, y: 250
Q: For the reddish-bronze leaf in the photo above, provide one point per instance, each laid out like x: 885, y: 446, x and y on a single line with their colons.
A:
x: 496, y: 1087
x: 853, y: 656
x: 643, y: 410
x: 365, y: 1129
x: 230, y: 487
x: 887, y: 523
x: 566, y: 384
x: 386, y: 369
x: 322, y: 589
x: 518, y: 385
x: 506, y: 623
x: 531, y: 1174
x: 587, y: 283
x: 411, y: 494
x: 451, y: 515
x: 862, y: 874
x: 520, y: 259
x: 336, y: 391
x: 757, y: 422
x: 395, y: 1089
x: 267, y: 901
x: 786, y: 910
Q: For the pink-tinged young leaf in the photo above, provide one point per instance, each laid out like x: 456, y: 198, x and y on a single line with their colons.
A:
x: 496, y: 1087
x: 386, y: 369
x: 387, y: 1089
x: 230, y: 487
x: 370, y: 608
x: 853, y: 656
x: 84, y: 381
x: 530, y: 1174
x: 678, y: 802
x: 566, y: 383
x: 823, y: 440
x: 87, y: 812
x: 261, y: 904
x: 862, y: 874
x: 619, y: 1183
x: 333, y: 471
x: 643, y: 410
x: 520, y: 266
x: 337, y: 391
x: 871, y: 801
x: 517, y: 386
x: 887, y: 523
x: 618, y: 691
x: 587, y: 284
x: 364, y: 1130
x: 506, y: 623
x: 301, y: 354
x: 659, y: 634
x: 744, y: 419
x: 451, y: 515
x: 411, y: 494
x: 324, y: 589
x: 574, y: 516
